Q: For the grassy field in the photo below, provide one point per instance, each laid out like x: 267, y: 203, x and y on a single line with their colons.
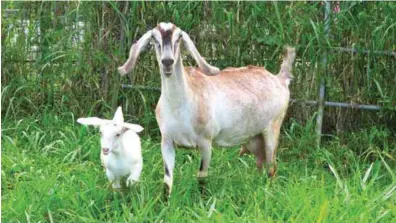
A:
x: 51, y: 172
x: 59, y: 61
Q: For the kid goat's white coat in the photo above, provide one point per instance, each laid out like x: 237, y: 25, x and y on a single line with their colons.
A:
x: 121, y: 154
x: 202, y: 106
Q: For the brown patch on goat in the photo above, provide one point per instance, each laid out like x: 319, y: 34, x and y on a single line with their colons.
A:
x: 166, y: 34
x: 242, y: 69
x: 158, y: 114
x: 232, y: 80
x: 272, y: 171
x: 196, y: 81
x: 243, y: 150
x: 235, y: 80
x: 255, y: 146
x: 238, y: 84
x: 276, y: 125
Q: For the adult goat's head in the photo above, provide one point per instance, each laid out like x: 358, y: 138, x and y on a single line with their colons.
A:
x: 166, y: 38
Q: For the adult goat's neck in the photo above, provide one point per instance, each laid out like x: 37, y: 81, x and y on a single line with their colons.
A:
x: 175, y: 88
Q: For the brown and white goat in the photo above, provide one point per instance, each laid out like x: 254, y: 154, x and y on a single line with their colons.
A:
x: 201, y: 107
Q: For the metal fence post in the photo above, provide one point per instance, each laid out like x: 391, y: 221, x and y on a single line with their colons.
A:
x: 322, y: 88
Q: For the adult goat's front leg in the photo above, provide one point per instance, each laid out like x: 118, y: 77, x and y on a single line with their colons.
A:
x: 168, y: 156
x: 206, y: 152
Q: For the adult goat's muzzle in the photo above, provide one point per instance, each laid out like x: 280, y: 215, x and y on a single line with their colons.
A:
x: 167, y: 66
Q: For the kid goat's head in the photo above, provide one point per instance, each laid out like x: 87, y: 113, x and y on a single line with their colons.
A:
x: 111, y: 131
x: 166, y: 38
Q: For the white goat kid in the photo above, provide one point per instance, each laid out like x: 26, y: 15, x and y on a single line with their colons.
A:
x: 198, y: 108
x: 121, y: 154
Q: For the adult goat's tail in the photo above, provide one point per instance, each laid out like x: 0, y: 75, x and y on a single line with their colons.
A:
x: 287, y: 64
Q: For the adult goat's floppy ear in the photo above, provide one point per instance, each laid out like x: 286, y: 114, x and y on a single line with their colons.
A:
x: 206, y: 68
x: 136, y: 49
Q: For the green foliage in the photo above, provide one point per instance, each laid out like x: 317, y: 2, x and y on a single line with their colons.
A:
x: 59, y: 70
x: 51, y: 171
x: 50, y: 165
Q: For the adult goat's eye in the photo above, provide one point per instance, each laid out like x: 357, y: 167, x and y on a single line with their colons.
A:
x: 118, y: 135
x: 155, y: 42
x: 179, y: 38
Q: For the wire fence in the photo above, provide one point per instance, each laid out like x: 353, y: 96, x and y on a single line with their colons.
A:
x: 68, y: 53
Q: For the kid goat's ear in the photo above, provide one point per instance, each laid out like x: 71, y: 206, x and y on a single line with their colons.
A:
x: 118, y: 116
x: 94, y: 121
x: 133, y: 127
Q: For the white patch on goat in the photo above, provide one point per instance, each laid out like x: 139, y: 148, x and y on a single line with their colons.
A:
x: 166, y: 26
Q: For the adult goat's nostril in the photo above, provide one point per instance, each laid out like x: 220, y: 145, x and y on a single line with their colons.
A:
x: 105, y: 150
x: 167, y: 62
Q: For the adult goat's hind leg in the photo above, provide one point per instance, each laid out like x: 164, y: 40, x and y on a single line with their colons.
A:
x: 271, y: 138
x: 256, y: 146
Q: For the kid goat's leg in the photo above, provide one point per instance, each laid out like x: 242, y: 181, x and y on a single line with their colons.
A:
x: 168, y: 156
x: 135, y: 174
x: 115, y: 181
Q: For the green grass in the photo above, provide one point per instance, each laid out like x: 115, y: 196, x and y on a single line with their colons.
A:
x: 51, y: 172
x: 50, y: 165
